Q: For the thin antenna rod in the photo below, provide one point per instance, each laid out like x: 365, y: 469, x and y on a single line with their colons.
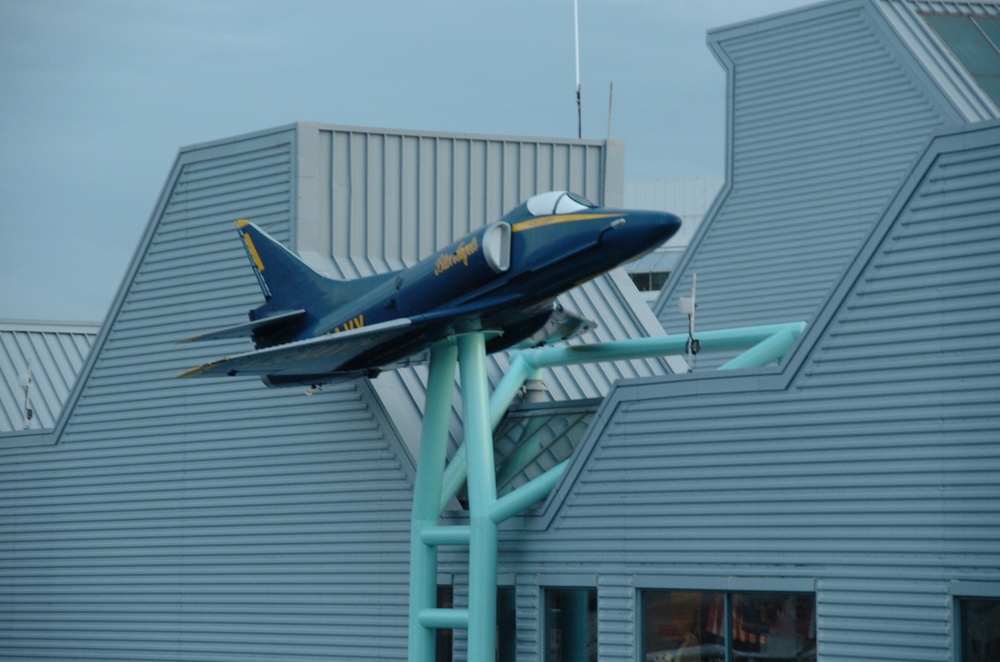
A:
x: 576, y: 41
x: 611, y: 95
x: 687, y: 307
x: 28, y: 413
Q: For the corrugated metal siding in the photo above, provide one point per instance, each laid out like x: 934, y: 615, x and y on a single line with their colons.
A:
x: 943, y: 250
x: 181, y: 520
x: 918, y: 343
x: 814, y: 95
x: 870, y: 469
x: 56, y: 351
x: 386, y: 200
x: 617, y: 621
x: 529, y: 619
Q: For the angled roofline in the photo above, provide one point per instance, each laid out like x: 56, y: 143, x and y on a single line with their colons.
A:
x: 906, y: 34
x: 768, y: 378
x: 423, y: 133
x: 942, y: 142
x: 54, y: 326
x: 145, y: 240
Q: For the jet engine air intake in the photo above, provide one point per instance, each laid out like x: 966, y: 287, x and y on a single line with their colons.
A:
x: 496, y: 246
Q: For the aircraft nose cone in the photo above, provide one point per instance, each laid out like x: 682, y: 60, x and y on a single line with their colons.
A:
x: 671, y: 224
x: 659, y: 226
x: 637, y: 233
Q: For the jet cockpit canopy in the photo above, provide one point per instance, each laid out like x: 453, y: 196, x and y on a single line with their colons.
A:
x: 557, y: 202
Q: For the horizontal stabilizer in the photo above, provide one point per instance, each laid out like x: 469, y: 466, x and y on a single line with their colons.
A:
x: 247, y: 329
x: 313, y: 356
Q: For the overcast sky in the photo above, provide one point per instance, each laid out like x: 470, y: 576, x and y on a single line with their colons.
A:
x: 98, y: 96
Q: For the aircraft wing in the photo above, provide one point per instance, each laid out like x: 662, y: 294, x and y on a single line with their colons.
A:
x: 246, y: 329
x: 313, y: 356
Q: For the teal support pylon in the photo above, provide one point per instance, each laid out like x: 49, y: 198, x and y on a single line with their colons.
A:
x: 426, y: 496
x: 482, y: 491
x: 480, y: 535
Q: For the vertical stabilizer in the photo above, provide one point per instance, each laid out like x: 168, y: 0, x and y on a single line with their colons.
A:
x: 290, y: 284
x: 287, y: 282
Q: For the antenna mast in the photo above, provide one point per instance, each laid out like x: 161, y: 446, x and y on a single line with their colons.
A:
x: 28, y: 412
x: 687, y: 306
x: 576, y: 41
x: 611, y: 94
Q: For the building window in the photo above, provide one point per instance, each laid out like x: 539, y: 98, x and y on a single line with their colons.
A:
x: 973, y: 40
x: 980, y: 624
x: 570, y: 624
x: 445, y: 600
x: 649, y: 281
x: 506, y: 624
x: 534, y: 437
x: 683, y: 626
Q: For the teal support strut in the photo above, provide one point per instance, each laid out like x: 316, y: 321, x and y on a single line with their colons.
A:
x: 764, y: 344
x: 426, y: 496
x: 482, y: 494
x: 772, y: 348
x: 473, y: 464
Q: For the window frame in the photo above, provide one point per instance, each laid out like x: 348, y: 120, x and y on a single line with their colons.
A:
x: 544, y: 589
x: 798, y: 587
x: 966, y: 591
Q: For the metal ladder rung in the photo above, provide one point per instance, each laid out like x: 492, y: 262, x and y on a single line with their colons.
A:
x: 444, y: 618
x: 446, y: 535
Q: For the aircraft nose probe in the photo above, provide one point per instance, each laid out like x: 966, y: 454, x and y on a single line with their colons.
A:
x: 613, y: 225
x: 654, y: 227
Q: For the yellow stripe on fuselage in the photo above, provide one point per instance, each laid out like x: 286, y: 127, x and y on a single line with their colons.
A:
x: 543, y: 221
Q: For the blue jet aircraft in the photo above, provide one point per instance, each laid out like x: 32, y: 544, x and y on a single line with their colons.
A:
x: 501, y: 279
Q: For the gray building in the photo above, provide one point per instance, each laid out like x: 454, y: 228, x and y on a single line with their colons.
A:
x: 829, y: 107
x: 844, y: 505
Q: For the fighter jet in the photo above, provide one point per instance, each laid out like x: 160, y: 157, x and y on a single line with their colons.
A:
x: 501, y: 280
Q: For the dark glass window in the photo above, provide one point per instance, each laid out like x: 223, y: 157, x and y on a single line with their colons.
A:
x: 980, y: 622
x: 649, y: 281
x: 773, y: 626
x: 687, y: 626
x: 445, y: 600
x: 506, y: 624
x: 570, y: 625
x: 974, y: 41
x: 683, y: 625
x: 533, y: 438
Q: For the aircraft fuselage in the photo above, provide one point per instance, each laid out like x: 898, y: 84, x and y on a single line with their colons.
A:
x: 500, y: 279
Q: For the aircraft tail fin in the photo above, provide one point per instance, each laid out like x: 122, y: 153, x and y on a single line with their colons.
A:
x: 286, y: 281
x: 290, y: 285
